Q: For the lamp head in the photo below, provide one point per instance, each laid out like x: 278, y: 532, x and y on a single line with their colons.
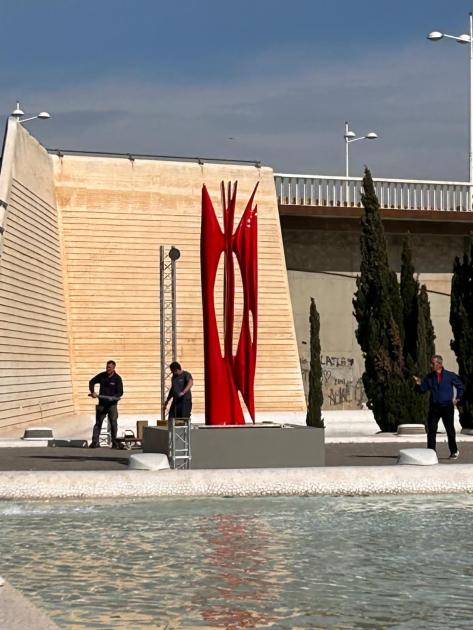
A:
x: 174, y: 253
x: 44, y: 115
x: 18, y: 112
x: 463, y: 39
x: 435, y: 36
x: 350, y: 134
x: 371, y: 135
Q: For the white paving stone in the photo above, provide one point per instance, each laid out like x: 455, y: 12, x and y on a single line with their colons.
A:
x: 343, y: 480
x: 18, y: 613
x: 148, y: 461
x: 418, y: 457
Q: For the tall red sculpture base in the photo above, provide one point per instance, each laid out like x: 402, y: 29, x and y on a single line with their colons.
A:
x: 229, y: 374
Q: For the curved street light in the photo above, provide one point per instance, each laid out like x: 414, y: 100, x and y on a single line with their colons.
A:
x: 18, y: 113
x: 436, y: 36
x: 350, y: 136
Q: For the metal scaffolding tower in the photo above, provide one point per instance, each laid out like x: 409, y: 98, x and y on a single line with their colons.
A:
x: 167, y: 313
x: 179, y: 430
x: 179, y: 442
x: 105, y: 437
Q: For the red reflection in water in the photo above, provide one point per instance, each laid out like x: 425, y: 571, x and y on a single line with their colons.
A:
x: 237, y: 560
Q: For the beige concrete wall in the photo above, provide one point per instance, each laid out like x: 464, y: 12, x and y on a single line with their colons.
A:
x: 35, y: 377
x: 114, y: 215
x: 323, y: 264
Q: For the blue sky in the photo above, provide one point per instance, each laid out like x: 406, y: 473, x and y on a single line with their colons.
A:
x: 279, y: 79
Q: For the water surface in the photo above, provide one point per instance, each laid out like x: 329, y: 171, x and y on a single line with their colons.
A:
x: 314, y: 562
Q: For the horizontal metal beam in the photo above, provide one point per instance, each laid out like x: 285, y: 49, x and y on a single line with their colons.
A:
x: 146, y: 156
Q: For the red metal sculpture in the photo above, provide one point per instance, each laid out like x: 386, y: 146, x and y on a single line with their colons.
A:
x: 226, y: 375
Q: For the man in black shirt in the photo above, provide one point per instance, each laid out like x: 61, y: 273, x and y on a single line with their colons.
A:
x: 110, y: 392
x: 180, y: 392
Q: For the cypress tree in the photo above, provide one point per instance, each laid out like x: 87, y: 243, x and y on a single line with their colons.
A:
x: 378, y: 311
x: 419, y: 334
x: 461, y: 320
x: 425, y: 333
x: 409, y: 287
x: 316, y: 397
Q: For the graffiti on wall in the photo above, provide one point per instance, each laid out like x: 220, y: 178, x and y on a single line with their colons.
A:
x: 341, y: 381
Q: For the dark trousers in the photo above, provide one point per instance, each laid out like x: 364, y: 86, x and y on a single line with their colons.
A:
x: 446, y: 413
x: 101, y: 411
x: 180, y: 408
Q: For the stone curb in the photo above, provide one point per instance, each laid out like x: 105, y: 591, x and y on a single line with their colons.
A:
x: 342, y: 480
x: 18, y: 613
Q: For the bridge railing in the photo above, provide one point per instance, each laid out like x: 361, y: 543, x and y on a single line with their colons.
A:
x: 398, y: 194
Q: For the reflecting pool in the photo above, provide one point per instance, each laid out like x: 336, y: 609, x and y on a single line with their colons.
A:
x: 314, y: 562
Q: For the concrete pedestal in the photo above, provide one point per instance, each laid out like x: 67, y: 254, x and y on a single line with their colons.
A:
x: 418, y: 457
x: 246, y: 446
x: 148, y: 461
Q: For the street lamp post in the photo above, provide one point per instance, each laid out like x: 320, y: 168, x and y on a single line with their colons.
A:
x: 18, y: 113
x: 436, y: 36
x: 350, y: 136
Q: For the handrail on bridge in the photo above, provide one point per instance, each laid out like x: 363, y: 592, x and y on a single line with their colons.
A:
x: 398, y: 194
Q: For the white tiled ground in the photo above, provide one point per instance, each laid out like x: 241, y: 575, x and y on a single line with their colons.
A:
x: 343, y: 480
x: 341, y: 426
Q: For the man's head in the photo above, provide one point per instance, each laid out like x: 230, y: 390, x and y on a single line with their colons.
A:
x: 175, y: 368
x: 436, y: 362
x: 110, y: 367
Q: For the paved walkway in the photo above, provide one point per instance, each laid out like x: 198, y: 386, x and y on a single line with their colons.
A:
x: 352, y: 438
x: 18, y: 613
x: 59, y: 458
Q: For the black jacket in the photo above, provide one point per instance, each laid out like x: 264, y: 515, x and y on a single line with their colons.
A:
x: 109, y: 385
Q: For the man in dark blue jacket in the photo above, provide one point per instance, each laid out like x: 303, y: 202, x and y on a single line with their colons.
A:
x: 110, y: 392
x: 440, y: 383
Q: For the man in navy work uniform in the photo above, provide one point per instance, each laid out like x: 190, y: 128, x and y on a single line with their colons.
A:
x: 179, y: 392
x: 440, y: 383
x: 110, y: 392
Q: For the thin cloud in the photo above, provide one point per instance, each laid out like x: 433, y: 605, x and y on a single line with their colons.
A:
x: 415, y: 98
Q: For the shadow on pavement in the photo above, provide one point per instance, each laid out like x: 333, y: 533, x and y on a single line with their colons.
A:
x: 79, y: 458
x: 376, y: 456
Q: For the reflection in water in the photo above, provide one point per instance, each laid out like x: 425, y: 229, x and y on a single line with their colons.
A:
x: 241, y: 587
x: 283, y: 563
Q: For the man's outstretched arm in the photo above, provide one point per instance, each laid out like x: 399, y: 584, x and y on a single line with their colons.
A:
x: 422, y: 384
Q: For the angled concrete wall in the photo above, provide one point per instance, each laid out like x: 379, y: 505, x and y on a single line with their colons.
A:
x: 114, y: 215
x: 323, y: 263
x: 35, y: 376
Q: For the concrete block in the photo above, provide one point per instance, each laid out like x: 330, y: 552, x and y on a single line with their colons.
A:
x: 418, y: 457
x: 246, y: 446
x: 148, y: 461
x: 38, y: 433
x: 411, y: 429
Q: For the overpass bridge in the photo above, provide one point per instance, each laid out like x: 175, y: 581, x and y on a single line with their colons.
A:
x: 340, y: 197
